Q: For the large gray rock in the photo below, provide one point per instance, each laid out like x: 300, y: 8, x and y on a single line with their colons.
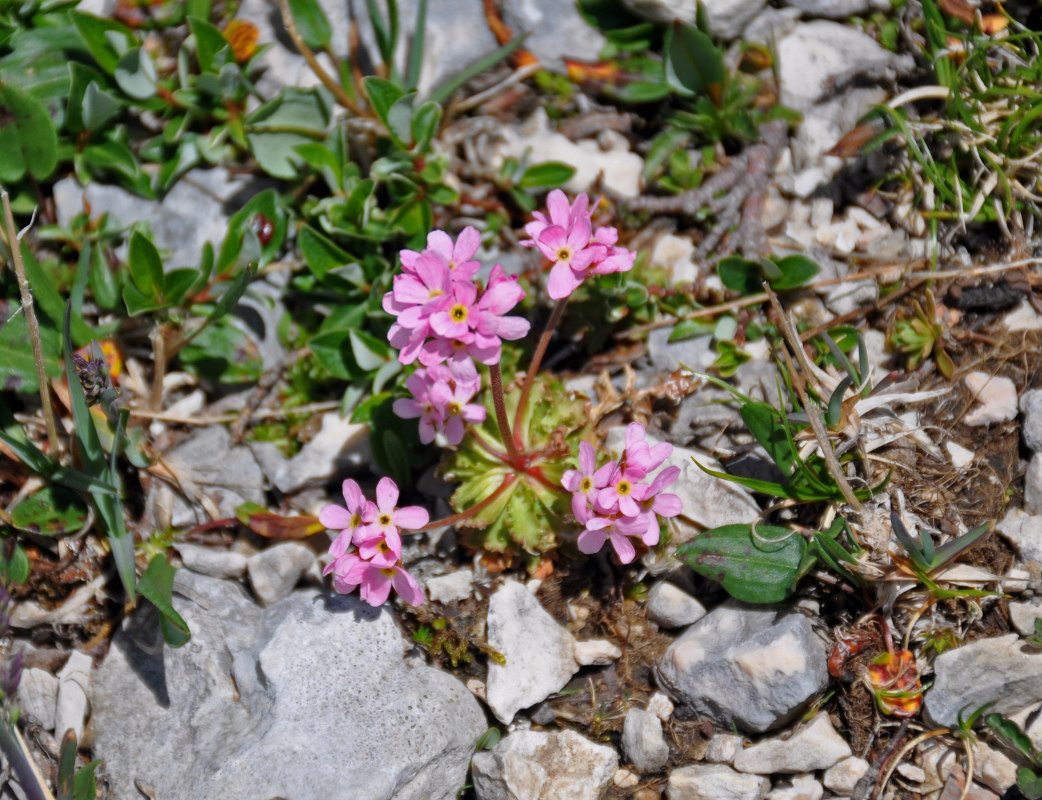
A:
x: 750, y: 667
x: 539, y: 653
x: 531, y: 765
x: 726, y: 18
x: 312, y: 697
x: 1030, y: 404
x: 208, y: 465
x: 193, y: 212
x: 1002, y: 669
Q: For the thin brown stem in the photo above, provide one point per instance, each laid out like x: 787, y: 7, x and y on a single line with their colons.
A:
x: 14, y: 245
x: 455, y: 519
x: 320, y: 73
x: 496, y: 378
x: 537, y: 361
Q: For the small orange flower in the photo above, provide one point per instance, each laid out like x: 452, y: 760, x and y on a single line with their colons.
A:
x: 242, y: 36
x: 894, y: 680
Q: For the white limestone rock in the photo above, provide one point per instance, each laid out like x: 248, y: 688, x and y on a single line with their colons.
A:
x: 540, y: 654
x: 275, y: 571
x: 671, y: 607
x: 539, y: 765
x: 715, y: 782
x: 643, y: 742
x: 814, y: 746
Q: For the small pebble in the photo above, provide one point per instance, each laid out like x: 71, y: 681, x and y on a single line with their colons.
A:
x: 451, y: 587
x: 996, y: 397
x: 671, y: 607
x: 598, y: 652
x: 275, y: 571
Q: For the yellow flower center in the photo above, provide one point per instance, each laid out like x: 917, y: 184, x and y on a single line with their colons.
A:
x: 623, y: 488
x: 458, y: 313
x: 385, y: 520
x: 564, y: 254
x: 356, y: 520
x: 455, y: 408
x: 586, y: 484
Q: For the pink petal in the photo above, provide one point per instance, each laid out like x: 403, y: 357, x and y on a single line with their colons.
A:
x: 376, y: 588
x: 334, y: 517
x: 623, y: 547
x: 667, y: 505
x: 411, y: 517
x: 591, y: 542
x: 386, y: 494
x: 353, y: 496
x: 562, y: 281
x: 557, y: 205
x: 407, y: 587
x: 467, y: 244
x: 587, y: 459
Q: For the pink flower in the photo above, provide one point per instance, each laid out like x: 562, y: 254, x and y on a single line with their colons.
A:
x: 422, y: 405
x: 601, y: 529
x: 376, y: 549
x: 455, y: 257
x: 566, y: 237
x: 614, y: 503
x: 349, y: 521
x: 639, y: 457
x: 351, y: 572
x: 457, y: 316
x: 561, y: 214
x: 621, y: 494
x: 572, y: 253
x: 385, y: 519
x: 585, y: 482
x: 657, y: 503
x: 453, y: 401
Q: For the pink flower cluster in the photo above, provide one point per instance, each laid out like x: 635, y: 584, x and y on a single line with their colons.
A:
x: 567, y: 238
x: 614, y: 503
x: 368, y: 550
x: 447, y: 320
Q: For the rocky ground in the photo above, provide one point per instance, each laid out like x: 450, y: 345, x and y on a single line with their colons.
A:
x: 587, y: 679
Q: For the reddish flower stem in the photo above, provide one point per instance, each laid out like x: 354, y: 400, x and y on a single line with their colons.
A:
x: 472, y: 511
x: 514, y: 457
x: 537, y: 360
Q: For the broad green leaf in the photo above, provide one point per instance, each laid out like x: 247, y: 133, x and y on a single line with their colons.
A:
x: 753, y: 570
x: 28, y: 139
x: 16, y: 569
x: 99, y: 108
x: 549, y: 174
x: 740, y: 274
x: 136, y: 74
x: 17, y: 367
x: 52, y: 511
x: 1009, y: 730
x: 146, y: 265
x: 311, y: 23
x: 689, y: 328
x: 106, y: 40
x: 156, y: 586
x: 642, y: 92
x: 795, y: 270
x: 211, y: 48
x: 370, y: 353
x: 382, y: 96
x: 320, y: 253
x: 694, y: 65
x: 333, y: 351
x: 275, y: 129
x: 766, y: 425
x: 233, y: 293
x: 223, y: 353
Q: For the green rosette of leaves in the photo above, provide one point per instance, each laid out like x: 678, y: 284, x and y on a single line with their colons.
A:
x: 530, y: 507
